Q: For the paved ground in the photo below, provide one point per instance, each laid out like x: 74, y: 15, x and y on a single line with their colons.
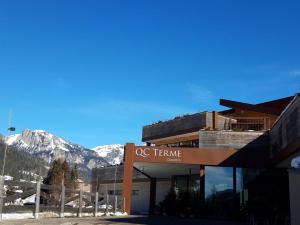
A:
x: 135, y: 220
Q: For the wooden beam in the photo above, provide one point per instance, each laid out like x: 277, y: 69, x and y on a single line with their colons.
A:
x: 250, y: 107
x: 215, y: 120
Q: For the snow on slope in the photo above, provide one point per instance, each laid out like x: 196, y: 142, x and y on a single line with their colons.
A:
x: 113, y: 154
x: 47, y: 146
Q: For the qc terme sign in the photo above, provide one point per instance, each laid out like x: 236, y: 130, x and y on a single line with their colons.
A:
x: 170, y: 155
x: 180, y: 155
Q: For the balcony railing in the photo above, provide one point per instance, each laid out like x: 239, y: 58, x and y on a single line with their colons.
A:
x: 249, y: 123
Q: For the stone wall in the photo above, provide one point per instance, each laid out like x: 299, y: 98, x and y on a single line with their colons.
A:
x: 229, y: 139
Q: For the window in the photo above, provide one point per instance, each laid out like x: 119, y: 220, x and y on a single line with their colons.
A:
x: 112, y: 192
x: 119, y: 192
x: 135, y: 192
x: 218, y: 182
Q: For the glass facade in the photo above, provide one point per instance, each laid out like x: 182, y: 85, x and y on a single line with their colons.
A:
x: 188, y: 185
x: 221, y: 197
x: 218, y: 181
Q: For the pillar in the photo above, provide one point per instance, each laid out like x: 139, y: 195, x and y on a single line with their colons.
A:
x: 234, y: 191
x: 96, y: 203
x: 215, y: 120
x: 79, y: 214
x: 62, y: 201
x: 202, y: 183
x: 152, y: 195
x: 294, y: 187
x: 37, y: 200
x: 127, y: 179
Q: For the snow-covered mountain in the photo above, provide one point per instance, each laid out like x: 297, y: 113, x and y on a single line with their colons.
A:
x: 47, y: 146
x: 113, y: 154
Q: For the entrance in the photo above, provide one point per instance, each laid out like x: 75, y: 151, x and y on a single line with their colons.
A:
x: 191, y: 181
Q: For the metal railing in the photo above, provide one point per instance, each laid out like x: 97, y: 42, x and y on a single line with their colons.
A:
x: 55, y: 201
x: 250, y: 124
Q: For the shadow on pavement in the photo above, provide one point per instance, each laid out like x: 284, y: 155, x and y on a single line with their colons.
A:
x: 155, y: 220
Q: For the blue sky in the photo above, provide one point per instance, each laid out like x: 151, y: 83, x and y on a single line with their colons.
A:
x: 95, y: 72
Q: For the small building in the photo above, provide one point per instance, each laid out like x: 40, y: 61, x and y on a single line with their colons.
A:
x: 84, y: 186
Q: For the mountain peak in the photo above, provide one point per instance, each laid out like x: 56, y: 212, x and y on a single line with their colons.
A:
x: 113, y: 154
x: 47, y: 146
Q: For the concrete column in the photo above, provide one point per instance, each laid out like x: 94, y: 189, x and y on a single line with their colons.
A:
x: 96, y: 202
x: 62, y: 201
x: 294, y: 186
x: 37, y: 200
x: 127, y: 179
x: 80, y: 203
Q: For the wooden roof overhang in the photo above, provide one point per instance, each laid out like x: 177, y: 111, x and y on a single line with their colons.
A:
x: 274, y: 107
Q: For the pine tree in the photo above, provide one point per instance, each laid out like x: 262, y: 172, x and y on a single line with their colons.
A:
x: 60, y: 174
x: 74, y: 176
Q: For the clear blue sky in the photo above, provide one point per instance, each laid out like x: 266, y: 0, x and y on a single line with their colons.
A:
x: 95, y: 72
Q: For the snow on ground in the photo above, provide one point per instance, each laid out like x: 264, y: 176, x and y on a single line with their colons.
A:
x: 7, y: 177
x: 30, y: 199
x: 17, y: 216
x: 23, y: 215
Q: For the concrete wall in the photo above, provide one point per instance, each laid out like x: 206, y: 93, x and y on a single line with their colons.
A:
x: 230, y: 139
x: 140, y: 201
x: 294, y: 181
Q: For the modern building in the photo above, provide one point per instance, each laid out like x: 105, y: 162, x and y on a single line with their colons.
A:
x: 221, y: 164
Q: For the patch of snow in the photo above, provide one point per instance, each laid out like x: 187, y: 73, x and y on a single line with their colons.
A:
x: 7, y: 177
x: 120, y: 214
x: 64, y: 148
x: 40, y: 131
x: 113, y: 154
x: 17, y: 216
x: 11, y: 139
x: 30, y: 199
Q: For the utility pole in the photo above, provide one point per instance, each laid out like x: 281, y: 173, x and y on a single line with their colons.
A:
x: 9, y: 129
x: 2, y: 192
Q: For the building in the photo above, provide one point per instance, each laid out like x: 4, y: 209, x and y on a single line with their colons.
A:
x: 221, y: 162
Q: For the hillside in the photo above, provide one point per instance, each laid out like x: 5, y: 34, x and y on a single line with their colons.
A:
x: 22, y: 165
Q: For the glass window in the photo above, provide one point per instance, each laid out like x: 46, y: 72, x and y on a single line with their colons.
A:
x: 135, y: 192
x: 239, y: 179
x: 112, y: 192
x: 218, y: 181
x: 181, y: 183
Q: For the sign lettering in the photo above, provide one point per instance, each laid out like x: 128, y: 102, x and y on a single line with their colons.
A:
x: 170, y: 155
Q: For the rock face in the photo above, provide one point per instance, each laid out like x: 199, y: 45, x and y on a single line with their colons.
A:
x: 113, y: 154
x: 42, y: 144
